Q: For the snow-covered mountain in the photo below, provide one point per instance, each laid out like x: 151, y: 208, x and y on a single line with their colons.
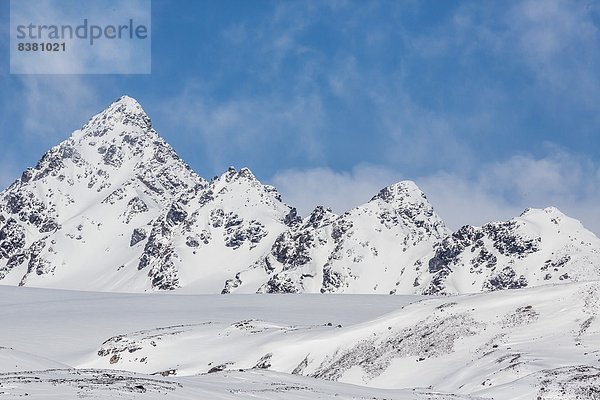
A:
x: 113, y: 208
x: 205, y: 237
x: 370, y: 249
x: 68, y: 221
x: 536, y: 248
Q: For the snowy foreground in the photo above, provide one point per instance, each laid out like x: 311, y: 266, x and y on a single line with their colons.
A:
x: 532, y: 343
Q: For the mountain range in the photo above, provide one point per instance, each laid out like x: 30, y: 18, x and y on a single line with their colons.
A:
x: 114, y: 208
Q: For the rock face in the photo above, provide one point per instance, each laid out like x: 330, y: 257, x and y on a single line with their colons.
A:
x: 208, y: 235
x: 113, y: 208
x: 370, y: 249
x: 538, y: 247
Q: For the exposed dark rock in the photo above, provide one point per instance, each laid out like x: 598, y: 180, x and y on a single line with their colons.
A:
x: 135, y: 206
x: 292, y: 218
x: 508, y: 241
x: 218, y: 368
x: 176, y: 214
x: 49, y: 226
x: 293, y: 248
x: 192, y: 242
x: 12, y: 238
x: 113, y: 156
x: 264, y: 362
x: 138, y: 235
x: 332, y: 280
x: 505, y: 279
x: 279, y: 284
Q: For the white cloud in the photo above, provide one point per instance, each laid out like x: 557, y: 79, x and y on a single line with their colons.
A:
x: 40, y: 114
x: 503, y: 190
x: 259, y: 128
x: 461, y: 201
x: 495, y: 192
x: 559, y: 42
x: 54, y: 106
x: 547, y: 29
x: 305, y: 189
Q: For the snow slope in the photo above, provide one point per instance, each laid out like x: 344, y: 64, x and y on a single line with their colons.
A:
x: 534, y: 342
x: 464, y: 344
x: 104, y: 384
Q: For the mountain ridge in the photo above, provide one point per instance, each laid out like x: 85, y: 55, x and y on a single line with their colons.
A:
x: 114, y: 208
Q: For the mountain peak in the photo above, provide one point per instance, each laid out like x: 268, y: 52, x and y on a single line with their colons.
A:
x: 404, y: 204
x: 128, y: 101
x: 551, y: 218
x: 117, y: 145
x: 233, y: 174
x: 403, y: 191
x: 553, y: 211
x: 544, y: 215
x: 125, y: 115
x: 126, y: 105
x: 320, y: 217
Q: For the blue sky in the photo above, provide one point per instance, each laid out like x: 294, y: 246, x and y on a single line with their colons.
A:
x: 490, y: 106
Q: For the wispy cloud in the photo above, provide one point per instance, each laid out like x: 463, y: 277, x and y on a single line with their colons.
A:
x: 41, y: 112
x: 416, y: 136
x: 255, y: 130
x: 502, y: 190
x: 558, y: 41
x: 54, y: 106
x: 497, y: 191
x: 341, y: 191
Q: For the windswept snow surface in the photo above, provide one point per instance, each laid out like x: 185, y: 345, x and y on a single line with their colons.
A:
x: 256, y: 384
x: 68, y: 325
x: 531, y: 343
